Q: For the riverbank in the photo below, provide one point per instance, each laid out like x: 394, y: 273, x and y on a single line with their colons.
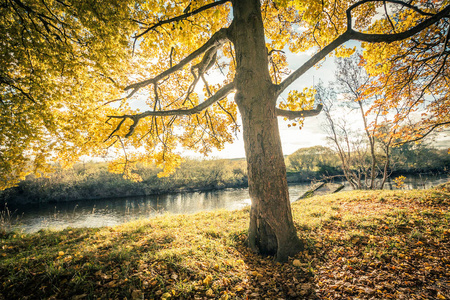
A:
x: 309, y: 176
x: 102, y: 185
x: 359, y: 244
x: 93, y: 181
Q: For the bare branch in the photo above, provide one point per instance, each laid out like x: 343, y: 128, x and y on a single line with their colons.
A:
x: 219, y: 95
x: 112, y: 101
x: 312, y: 61
x: 331, y: 21
x: 274, y: 50
x: 300, y: 113
x: 208, y: 90
x: 229, y: 114
x: 182, y: 17
x: 204, y: 65
x: 117, y: 128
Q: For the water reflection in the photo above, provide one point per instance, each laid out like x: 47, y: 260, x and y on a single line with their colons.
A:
x: 110, y: 212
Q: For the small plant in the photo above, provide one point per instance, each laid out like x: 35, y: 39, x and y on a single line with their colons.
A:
x: 400, y: 182
x: 7, y: 220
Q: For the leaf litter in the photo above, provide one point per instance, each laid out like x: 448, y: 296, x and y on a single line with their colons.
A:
x: 358, y: 245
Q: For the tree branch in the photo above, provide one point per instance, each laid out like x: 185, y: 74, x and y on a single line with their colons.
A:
x: 387, y: 16
x: 388, y: 38
x: 351, y: 34
x: 217, y: 39
x: 430, y: 130
x: 27, y: 95
x: 300, y: 113
x: 182, y: 17
x: 410, y: 6
x: 219, y: 95
x: 312, y: 61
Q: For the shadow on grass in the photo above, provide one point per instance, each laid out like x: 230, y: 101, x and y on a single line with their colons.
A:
x: 268, y: 279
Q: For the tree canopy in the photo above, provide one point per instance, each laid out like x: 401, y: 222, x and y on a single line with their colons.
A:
x: 60, y: 62
x: 63, y: 60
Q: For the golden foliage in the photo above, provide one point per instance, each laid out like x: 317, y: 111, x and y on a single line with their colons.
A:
x: 65, y: 68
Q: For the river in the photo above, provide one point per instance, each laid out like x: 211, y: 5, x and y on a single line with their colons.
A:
x: 110, y: 212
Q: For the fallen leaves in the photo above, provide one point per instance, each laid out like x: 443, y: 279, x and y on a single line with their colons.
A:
x: 397, y: 249
x: 297, y: 263
x: 207, y: 280
x: 365, y: 245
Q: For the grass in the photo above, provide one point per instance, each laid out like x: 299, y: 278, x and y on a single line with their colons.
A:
x: 7, y: 221
x: 363, y: 244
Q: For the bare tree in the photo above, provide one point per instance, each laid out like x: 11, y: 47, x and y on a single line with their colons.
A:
x: 359, y: 152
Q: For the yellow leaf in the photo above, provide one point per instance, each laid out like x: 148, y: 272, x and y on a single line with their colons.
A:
x: 297, y: 263
x: 207, y: 279
x: 239, y: 288
x: 166, y: 296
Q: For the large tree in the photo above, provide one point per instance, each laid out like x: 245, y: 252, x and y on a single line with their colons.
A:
x: 62, y: 54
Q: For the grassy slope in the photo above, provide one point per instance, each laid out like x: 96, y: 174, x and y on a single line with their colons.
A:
x: 365, y: 244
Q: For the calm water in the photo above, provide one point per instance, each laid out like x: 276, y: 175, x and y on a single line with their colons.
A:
x: 110, y: 212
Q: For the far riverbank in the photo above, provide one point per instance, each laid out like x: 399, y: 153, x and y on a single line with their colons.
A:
x: 92, y: 181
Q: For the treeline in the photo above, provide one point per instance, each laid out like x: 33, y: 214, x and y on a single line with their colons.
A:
x: 318, y: 162
x: 92, y: 180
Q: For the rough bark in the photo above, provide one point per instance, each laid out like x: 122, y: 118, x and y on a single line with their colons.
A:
x: 271, y: 229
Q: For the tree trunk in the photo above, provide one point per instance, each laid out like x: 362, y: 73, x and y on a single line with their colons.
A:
x: 386, y: 163
x: 371, y: 139
x: 271, y: 228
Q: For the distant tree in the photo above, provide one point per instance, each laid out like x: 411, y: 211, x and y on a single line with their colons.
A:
x: 311, y: 159
x: 420, y: 156
x: 351, y: 79
x: 62, y: 58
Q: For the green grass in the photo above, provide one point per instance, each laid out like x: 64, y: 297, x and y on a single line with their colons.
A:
x: 363, y: 244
